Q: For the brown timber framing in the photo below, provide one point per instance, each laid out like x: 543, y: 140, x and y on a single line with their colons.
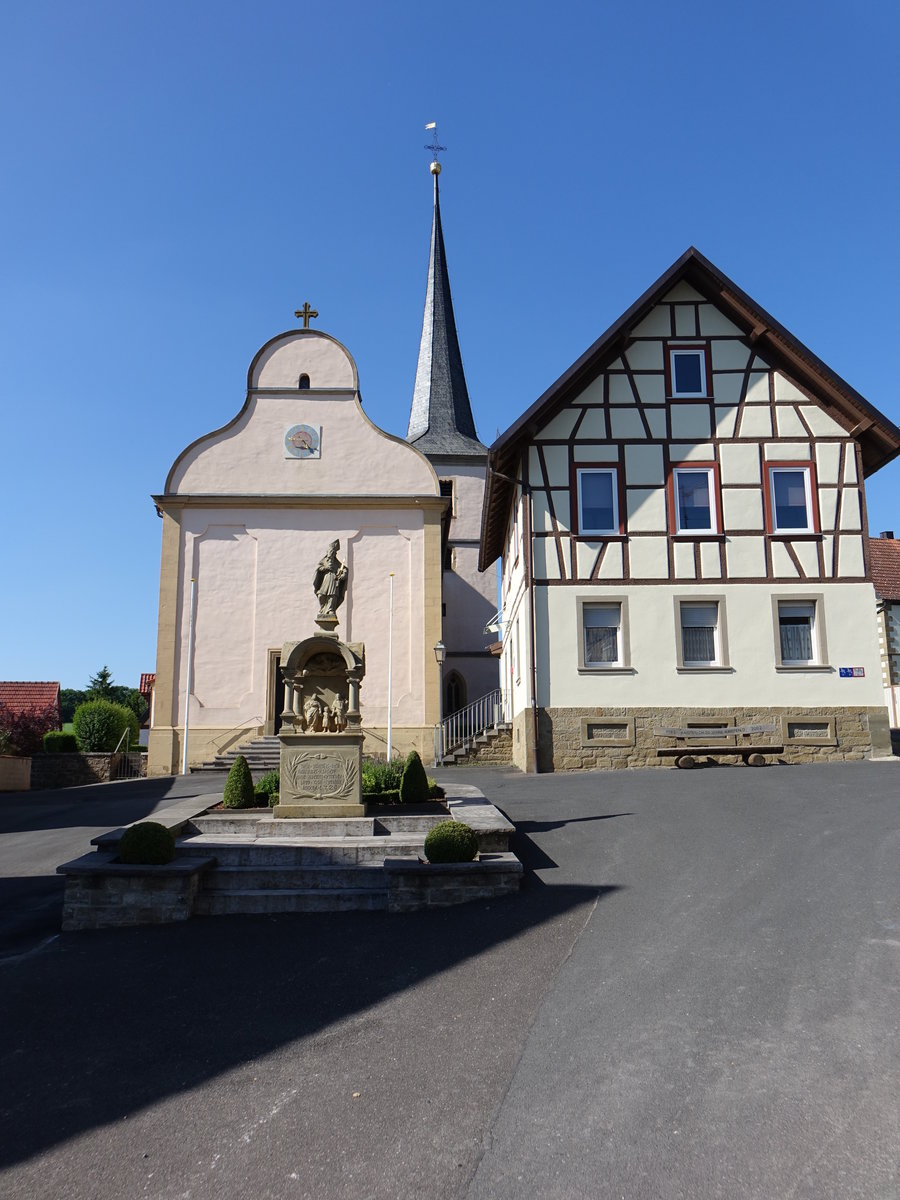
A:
x: 554, y: 524
x: 878, y: 438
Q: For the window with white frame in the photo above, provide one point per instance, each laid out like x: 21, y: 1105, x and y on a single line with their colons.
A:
x: 791, y: 500
x: 687, y: 371
x: 598, y: 501
x: 694, y: 498
x: 797, y: 638
x: 700, y: 641
x: 601, y: 631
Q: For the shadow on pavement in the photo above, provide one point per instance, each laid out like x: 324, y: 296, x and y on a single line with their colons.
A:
x: 99, y: 1025
x: 544, y: 826
x: 63, y: 808
x: 30, y: 910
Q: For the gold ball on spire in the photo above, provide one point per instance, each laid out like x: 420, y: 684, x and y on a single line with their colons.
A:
x: 435, y: 168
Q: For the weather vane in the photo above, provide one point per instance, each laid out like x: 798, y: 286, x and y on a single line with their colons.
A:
x: 434, y: 147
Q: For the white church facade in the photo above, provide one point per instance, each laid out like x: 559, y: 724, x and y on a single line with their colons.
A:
x: 249, y: 510
x: 682, y: 530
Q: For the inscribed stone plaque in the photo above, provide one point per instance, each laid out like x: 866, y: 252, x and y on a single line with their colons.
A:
x: 320, y: 770
x: 319, y: 775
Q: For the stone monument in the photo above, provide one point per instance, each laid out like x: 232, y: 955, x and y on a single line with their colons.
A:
x: 321, y: 735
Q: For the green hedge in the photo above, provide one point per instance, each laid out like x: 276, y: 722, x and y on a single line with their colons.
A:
x: 378, y: 777
x: 57, y: 742
x: 392, y: 796
x: 99, y: 724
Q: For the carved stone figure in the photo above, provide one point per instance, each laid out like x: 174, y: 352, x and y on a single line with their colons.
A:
x: 338, y: 711
x: 312, y: 713
x: 330, y: 584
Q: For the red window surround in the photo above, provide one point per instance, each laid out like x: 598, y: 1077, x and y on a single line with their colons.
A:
x: 804, y: 465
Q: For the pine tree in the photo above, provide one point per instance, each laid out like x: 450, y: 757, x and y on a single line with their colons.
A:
x: 100, y: 685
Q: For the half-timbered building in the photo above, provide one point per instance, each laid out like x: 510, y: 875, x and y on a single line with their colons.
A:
x: 682, y: 527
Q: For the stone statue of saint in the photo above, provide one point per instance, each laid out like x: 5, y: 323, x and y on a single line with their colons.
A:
x: 330, y: 583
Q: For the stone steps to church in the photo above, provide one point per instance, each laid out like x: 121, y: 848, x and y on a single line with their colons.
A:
x: 299, y: 900
x: 262, y: 754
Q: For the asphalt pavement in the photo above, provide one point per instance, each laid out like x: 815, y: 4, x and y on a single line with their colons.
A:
x: 695, y: 995
x: 40, y: 830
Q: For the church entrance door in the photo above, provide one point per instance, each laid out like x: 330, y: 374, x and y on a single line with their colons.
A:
x: 274, y: 693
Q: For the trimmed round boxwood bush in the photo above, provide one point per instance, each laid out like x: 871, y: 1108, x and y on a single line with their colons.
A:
x: 57, y: 742
x: 414, y: 784
x: 451, y: 842
x: 147, y: 842
x: 239, y: 786
x: 99, y: 724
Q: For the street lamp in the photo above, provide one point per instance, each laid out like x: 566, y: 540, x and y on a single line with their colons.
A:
x: 440, y: 653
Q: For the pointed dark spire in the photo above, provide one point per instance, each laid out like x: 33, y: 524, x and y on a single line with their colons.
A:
x: 440, y: 420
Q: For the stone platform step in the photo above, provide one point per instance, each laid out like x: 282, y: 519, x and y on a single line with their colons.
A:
x: 234, y: 850
x: 256, y: 878
x: 299, y: 900
x: 252, y: 826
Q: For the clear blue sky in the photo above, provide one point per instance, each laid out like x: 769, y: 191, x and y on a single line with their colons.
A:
x: 179, y: 177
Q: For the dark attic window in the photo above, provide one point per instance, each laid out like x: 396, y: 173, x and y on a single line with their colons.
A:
x: 303, y: 381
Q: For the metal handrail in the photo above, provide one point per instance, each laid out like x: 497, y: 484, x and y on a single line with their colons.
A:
x: 242, y: 728
x: 462, y: 727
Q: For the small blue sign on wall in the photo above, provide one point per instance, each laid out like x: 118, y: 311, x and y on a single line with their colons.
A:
x: 852, y: 672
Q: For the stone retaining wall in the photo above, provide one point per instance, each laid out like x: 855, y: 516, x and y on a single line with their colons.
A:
x: 578, y: 738
x: 413, y: 885
x: 75, y: 770
x: 103, y: 894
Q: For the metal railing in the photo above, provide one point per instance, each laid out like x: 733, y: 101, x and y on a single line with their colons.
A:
x: 125, y: 764
x: 460, y: 729
x: 235, y: 734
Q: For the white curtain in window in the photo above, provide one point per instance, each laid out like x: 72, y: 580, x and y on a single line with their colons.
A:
x: 795, y: 623
x: 601, y: 633
x: 698, y: 632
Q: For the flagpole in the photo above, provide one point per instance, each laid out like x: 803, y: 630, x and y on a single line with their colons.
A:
x: 390, y: 665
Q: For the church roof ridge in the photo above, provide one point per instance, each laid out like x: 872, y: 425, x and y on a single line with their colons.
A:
x: 440, y: 419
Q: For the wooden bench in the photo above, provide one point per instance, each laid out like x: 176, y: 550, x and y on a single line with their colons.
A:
x: 753, y: 755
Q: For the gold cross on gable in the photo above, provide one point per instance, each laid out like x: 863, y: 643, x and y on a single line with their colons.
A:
x: 306, y: 313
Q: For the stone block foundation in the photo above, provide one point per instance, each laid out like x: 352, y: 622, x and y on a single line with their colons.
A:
x: 103, y: 894
x: 571, y: 739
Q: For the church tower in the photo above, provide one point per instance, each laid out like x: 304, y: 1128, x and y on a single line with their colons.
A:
x: 441, y: 425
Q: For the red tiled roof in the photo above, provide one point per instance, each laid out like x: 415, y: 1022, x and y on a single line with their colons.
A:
x: 22, y: 696
x: 148, y: 679
x: 885, y: 559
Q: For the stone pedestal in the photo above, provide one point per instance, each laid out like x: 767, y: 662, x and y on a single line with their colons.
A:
x: 321, y: 775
